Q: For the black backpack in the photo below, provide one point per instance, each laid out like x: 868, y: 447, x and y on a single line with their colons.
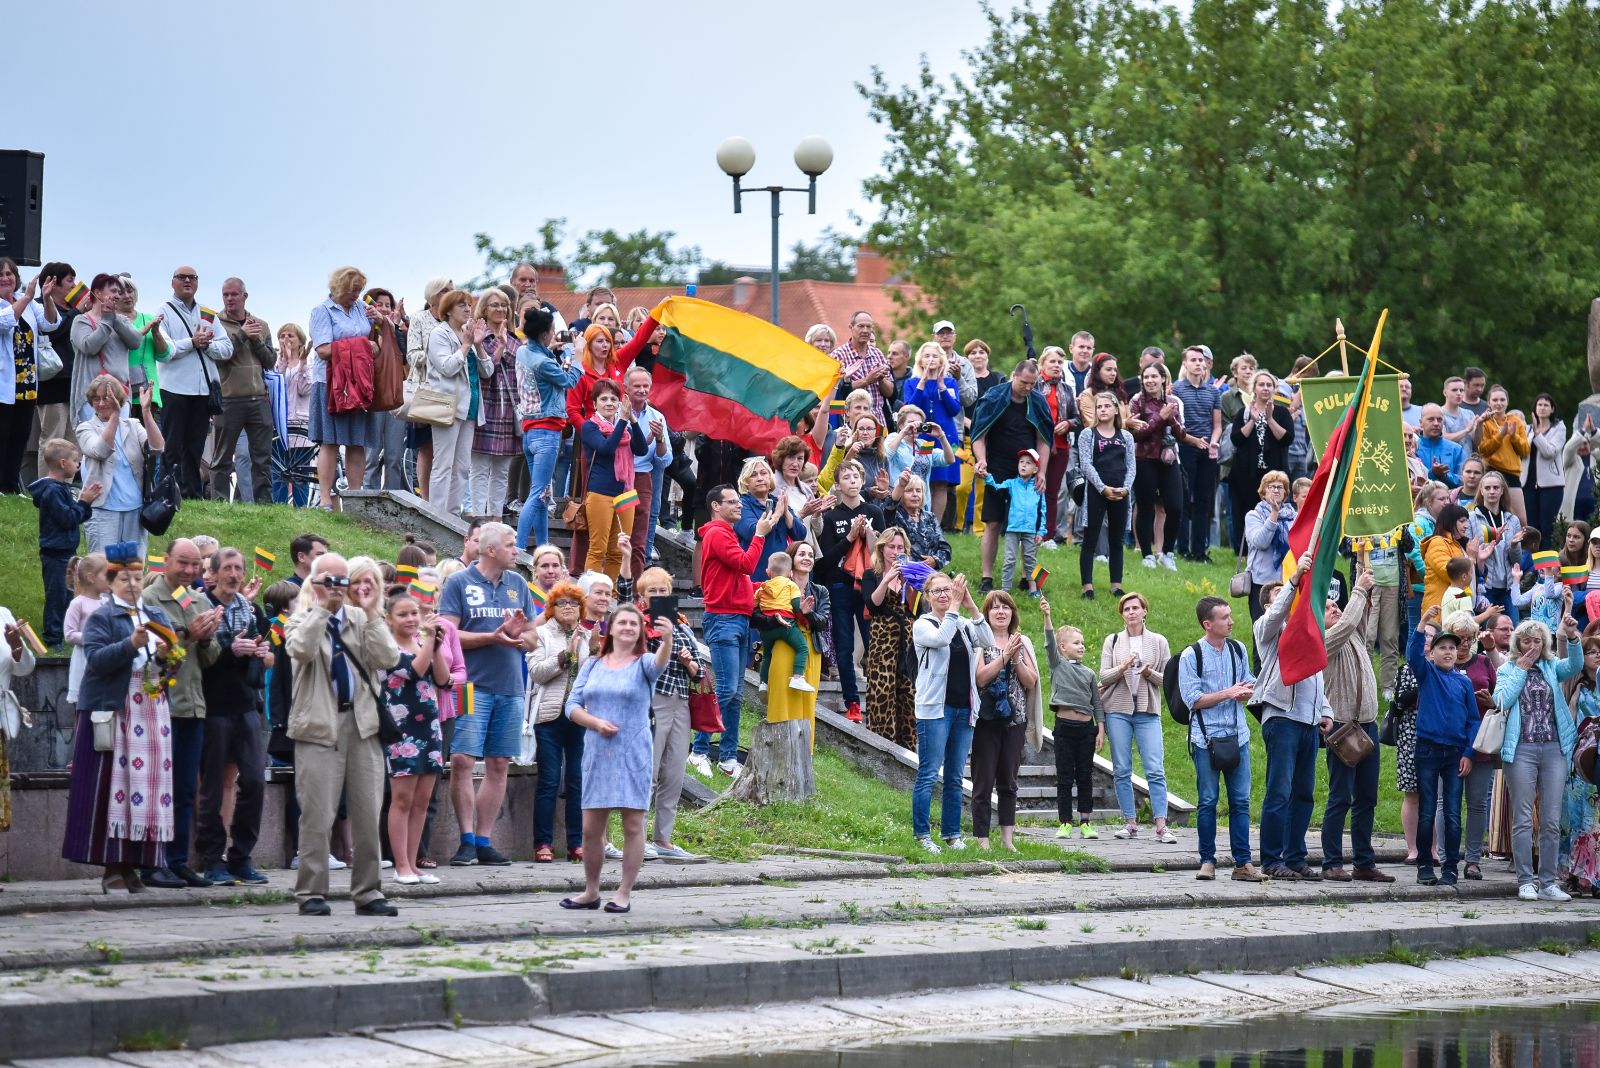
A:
x: 1177, y: 707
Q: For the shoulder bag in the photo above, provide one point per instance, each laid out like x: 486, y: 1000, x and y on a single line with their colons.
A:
x: 705, y: 714
x: 388, y: 371
x: 46, y: 359
x: 162, y: 497
x: 1223, y: 748
x: 1491, y: 732
x: 213, y: 388
x: 1349, y: 743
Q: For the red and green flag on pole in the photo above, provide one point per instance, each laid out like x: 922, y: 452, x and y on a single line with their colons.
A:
x: 1302, y: 647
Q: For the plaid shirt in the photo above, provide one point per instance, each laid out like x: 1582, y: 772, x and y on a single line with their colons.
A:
x: 856, y: 365
x: 674, y: 681
x: 500, y: 434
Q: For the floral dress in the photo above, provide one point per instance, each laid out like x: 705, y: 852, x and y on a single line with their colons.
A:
x: 413, y: 704
x: 1580, y: 822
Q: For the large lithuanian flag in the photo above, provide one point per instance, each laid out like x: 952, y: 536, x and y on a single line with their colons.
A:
x: 733, y: 376
x: 1317, y: 529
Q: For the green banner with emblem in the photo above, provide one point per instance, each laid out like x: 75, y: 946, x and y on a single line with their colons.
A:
x: 1381, y: 499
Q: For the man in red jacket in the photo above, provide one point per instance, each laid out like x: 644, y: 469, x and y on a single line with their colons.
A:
x: 725, y: 570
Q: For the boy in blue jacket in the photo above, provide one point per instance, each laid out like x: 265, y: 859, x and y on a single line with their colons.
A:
x: 61, y: 515
x: 1024, y: 519
x: 1447, y: 721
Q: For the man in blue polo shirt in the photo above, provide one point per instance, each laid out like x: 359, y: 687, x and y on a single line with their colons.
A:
x: 490, y: 605
x: 1197, y: 450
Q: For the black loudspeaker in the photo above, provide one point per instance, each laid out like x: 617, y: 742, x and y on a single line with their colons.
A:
x: 21, y: 205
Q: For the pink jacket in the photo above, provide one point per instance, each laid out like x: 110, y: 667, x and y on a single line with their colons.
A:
x: 450, y: 651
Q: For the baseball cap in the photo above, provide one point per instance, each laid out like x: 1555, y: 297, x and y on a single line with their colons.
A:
x: 1029, y: 453
x: 1446, y: 636
x: 1206, y: 351
x: 944, y: 324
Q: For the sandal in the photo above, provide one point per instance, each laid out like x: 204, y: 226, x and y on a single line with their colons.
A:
x: 1472, y: 871
x: 575, y: 854
x: 543, y: 855
x: 427, y: 862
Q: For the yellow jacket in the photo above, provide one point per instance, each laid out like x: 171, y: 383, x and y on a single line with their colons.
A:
x: 1437, y: 551
x: 1503, y: 442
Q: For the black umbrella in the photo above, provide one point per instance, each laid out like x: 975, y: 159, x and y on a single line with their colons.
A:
x: 1027, y: 330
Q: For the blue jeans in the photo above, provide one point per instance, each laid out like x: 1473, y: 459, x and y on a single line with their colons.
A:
x: 560, y: 747
x: 1503, y: 599
x: 1290, y: 790
x: 53, y: 568
x: 1123, y: 731
x: 1436, y: 777
x: 540, y: 448
x: 658, y: 478
x: 188, y: 744
x: 1353, y: 791
x: 728, y: 635
x: 1207, y: 784
x: 563, y: 475
x: 942, y: 744
x: 847, y: 604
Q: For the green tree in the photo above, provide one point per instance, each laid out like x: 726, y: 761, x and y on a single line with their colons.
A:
x: 1243, y: 174
x: 640, y: 258
x: 498, y: 262
x: 831, y: 259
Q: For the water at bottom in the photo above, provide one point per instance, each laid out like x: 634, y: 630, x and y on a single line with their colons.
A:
x: 1524, y: 1033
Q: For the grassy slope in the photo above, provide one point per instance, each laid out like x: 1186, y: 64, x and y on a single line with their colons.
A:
x: 242, y: 526
x: 866, y: 815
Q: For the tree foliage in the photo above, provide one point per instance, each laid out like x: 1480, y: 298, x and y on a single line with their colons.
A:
x: 640, y: 258
x: 1246, y: 173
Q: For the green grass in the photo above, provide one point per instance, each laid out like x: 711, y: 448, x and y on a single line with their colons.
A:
x: 1172, y: 596
x: 242, y: 526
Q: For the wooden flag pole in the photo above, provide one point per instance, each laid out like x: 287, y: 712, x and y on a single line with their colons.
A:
x: 1344, y: 362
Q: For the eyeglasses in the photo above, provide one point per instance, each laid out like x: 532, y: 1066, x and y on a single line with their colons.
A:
x: 567, y: 602
x: 186, y: 278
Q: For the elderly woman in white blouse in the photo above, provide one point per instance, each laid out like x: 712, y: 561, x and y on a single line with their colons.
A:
x: 457, y: 365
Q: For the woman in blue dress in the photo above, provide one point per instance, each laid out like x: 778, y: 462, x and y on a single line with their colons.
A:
x: 339, y: 318
x: 612, y: 699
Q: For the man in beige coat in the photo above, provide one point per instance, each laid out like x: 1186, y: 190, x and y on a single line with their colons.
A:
x: 339, y: 658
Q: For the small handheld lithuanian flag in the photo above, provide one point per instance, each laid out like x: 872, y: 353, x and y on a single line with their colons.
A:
x: 76, y: 296
x: 837, y: 406
x: 156, y: 565
x: 626, y: 499
x: 183, y: 597
x: 405, y: 574
x: 1040, y: 573
x: 277, y: 627
x: 264, y: 559
x: 1575, y: 574
x: 162, y: 631
x: 207, y: 315
x: 468, y: 700
x: 926, y: 446
x: 540, y: 598
x: 30, y: 638
x: 426, y: 592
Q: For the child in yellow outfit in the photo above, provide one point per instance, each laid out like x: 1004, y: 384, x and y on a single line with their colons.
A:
x: 778, y: 599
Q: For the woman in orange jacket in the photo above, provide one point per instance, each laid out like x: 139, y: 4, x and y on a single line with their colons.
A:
x: 1503, y: 444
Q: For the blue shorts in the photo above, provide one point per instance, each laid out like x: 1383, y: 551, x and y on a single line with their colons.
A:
x: 493, y: 730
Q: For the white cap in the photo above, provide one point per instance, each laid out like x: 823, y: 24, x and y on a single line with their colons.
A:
x: 944, y: 324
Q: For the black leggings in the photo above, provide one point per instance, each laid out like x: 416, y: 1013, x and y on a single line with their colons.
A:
x: 1151, y: 479
x: 1074, y: 766
x: 14, y: 444
x: 996, y: 756
x: 1115, y: 515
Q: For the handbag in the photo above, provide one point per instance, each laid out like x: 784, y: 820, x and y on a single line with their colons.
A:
x: 1491, y: 732
x: 1349, y: 743
x: 46, y: 360
x: 388, y: 371
x: 705, y: 713
x: 162, y: 498
x: 1389, y: 728
x: 1583, y: 753
x: 428, y: 406
x: 213, y: 388
x: 1239, y: 584
x: 1223, y: 748
x: 13, y: 717
x: 104, y: 724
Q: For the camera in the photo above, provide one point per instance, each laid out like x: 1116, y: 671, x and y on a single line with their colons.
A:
x: 334, y: 582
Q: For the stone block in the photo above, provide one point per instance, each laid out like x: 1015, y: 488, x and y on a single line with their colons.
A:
x: 598, y: 990
x: 612, y: 1032
x: 1283, y: 989
x: 535, y: 1040
x: 440, y: 1042
x: 345, y: 1051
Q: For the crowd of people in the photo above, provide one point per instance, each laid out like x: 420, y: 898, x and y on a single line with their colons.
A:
x: 376, y: 677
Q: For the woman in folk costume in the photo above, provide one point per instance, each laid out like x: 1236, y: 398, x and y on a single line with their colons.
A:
x: 119, y: 807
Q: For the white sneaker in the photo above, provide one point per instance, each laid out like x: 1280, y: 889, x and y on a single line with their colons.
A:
x: 385, y: 863
x: 1102, y: 559
x: 929, y: 844
x: 335, y: 864
x: 700, y: 762
x: 612, y: 852
x: 799, y: 682
x: 763, y: 687
x: 1554, y: 893
x: 294, y: 862
x: 728, y: 767
x: 1528, y: 892
x: 1151, y: 562
x: 1048, y: 543
x: 1388, y: 695
x: 1169, y: 561
x: 650, y: 851
x: 957, y: 843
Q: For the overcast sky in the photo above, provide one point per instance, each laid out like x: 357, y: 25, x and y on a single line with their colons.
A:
x: 277, y: 140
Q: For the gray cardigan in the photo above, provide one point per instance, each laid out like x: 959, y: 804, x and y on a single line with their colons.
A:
x: 931, y: 636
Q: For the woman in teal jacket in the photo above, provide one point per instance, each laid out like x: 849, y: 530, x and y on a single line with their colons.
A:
x: 1540, y: 736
